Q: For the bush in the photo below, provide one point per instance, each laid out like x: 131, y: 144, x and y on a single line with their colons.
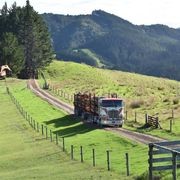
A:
x: 160, y: 88
x: 176, y: 101
x: 136, y: 104
x: 166, y: 100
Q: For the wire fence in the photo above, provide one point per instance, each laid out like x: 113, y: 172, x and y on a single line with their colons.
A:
x: 166, y: 117
x: 53, y: 137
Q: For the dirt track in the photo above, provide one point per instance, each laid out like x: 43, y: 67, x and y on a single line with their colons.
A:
x: 138, y: 137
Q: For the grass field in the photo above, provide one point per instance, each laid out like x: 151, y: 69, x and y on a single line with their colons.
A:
x: 155, y: 96
x: 72, y: 78
x: 78, y: 134
x: 25, y: 154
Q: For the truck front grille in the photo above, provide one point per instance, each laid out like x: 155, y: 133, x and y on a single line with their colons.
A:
x: 113, y: 114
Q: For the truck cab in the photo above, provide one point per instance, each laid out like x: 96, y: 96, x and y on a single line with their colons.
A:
x: 111, y: 111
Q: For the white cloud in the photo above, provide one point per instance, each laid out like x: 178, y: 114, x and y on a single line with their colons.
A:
x: 136, y: 11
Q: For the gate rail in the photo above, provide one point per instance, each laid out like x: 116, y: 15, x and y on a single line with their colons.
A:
x: 164, y: 156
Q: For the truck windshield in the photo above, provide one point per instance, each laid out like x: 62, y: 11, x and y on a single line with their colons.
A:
x: 112, y: 103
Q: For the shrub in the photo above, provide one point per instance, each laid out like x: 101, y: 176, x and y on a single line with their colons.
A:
x: 136, y: 104
x: 161, y: 88
x: 176, y: 101
x: 166, y: 100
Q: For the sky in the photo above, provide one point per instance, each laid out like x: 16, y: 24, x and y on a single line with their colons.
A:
x: 138, y: 12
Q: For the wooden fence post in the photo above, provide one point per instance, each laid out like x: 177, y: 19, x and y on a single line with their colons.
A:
x: 37, y: 127
x: 146, y: 118
x: 81, y: 153
x: 42, y: 129
x: 72, y: 152
x: 31, y: 122
x: 56, y: 138
x: 63, y: 144
x: 94, y: 161
x: 126, y: 115
x: 170, y: 125
x: 34, y: 124
x: 174, y: 164
x: 51, y: 135
x: 26, y: 116
x: 127, y: 164
x: 46, y: 132
x: 150, y: 161
x: 172, y: 113
x: 108, y: 161
x: 135, y: 119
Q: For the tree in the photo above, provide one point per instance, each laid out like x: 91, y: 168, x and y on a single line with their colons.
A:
x: 23, y: 29
x: 36, y: 41
x: 12, y: 52
x: 3, y: 19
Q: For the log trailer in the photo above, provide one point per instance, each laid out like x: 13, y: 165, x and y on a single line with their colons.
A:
x: 101, y: 110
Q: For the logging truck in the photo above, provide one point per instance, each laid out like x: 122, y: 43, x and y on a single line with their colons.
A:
x: 3, y: 70
x: 101, y: 110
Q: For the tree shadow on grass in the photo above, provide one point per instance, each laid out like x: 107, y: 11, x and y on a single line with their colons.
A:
x: 70, y: 126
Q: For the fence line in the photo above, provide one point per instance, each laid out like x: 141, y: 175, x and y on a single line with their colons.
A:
x: 41, y: 128
x: 134, y: 114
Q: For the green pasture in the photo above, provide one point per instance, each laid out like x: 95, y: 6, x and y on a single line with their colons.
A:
x: 142, y: 94
x: 78, y: 134
x: 25, y: 154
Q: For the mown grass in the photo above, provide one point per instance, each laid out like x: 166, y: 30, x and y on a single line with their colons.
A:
x: 25, y: 154
x: 155, y: 96
x: 78, y: 134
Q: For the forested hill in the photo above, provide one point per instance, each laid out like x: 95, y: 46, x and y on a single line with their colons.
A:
x: 103, y: 39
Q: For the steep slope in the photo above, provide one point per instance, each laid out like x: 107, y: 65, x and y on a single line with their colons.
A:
x: 152, y: 50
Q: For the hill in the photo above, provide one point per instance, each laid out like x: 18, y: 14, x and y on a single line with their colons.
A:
x: 142, y: 94
x: 117, y: 43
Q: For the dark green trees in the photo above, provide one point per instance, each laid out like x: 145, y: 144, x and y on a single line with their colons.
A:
x: 12, y: 52
x: 24, y: 40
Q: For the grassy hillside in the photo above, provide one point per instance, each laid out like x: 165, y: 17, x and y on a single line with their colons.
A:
x: 142, y: 94
x: 25, y: 154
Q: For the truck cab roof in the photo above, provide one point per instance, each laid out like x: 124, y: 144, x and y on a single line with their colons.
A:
x: 105, y: 98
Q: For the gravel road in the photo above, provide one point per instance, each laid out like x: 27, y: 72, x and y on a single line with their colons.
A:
x: 135, y: 136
